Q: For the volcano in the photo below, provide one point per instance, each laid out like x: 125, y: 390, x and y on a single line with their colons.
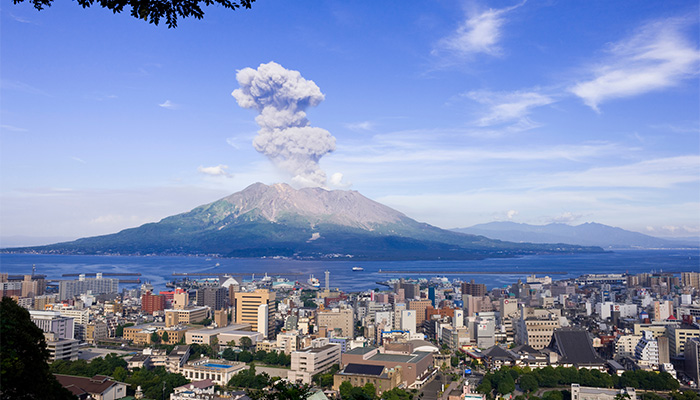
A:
x: 310, y: 223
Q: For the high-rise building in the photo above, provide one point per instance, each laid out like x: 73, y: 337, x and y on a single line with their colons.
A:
x: 692, y: 359
x: 32, y: 286
x: 337, y: 320
x: 691, y: 279
x: 247, y: 308
x: 98, y: 285
x: 410, y: 290
x: 474, y: 289
x: 421, y: 306
x: 151, y: 303
x: 181, y: 299
x: 215, y: 298
x: 53, y: 322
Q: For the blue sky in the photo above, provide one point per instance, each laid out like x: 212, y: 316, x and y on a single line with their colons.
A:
x: 453, y: 112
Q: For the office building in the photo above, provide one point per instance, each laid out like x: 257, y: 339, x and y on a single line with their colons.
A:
x: 339, y: 321
x: 248, y: 310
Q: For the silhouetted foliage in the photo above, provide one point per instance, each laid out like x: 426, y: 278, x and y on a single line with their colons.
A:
x: 281, y: 390
x: 153, y: 11
x: 24, y: 368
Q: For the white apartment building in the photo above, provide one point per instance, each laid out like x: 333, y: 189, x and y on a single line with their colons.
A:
x: 647, y: 351
x: 53, y: 322
x: 313, y: 360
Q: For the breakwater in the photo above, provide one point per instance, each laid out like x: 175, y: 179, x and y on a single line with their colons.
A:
x: 435, y: 272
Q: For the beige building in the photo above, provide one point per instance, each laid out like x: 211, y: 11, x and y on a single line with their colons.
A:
x: 287, y: 342
x: 420, y: 306
x: 190, y: 315
x: 691, y: 279
x: 181, y: 299
x: 339, y: 320
x: 313, y: 360
x: 678, y: 335
x: 657, y: 328
x: 142, y: 334
x: 223, y: 335
x: 257, y: 309
x: 383, y: 378
x: 625, y: 345
x: 96, y: 331
x: 221, y: 318
x: 536, y: 326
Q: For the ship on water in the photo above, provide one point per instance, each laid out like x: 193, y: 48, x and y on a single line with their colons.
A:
x: 358, y: 269
x: 314, y: 282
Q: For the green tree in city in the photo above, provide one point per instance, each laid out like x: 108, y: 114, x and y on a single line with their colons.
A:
x: 282, y: 390
x: 24, y: 368
x: 155, y: 337
x: 245, y: 343
x: 528, y: 382
x: 119, y: 332
x: 165, y: 337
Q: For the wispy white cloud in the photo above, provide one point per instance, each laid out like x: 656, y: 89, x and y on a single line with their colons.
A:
x: 505, y: 107
x: 479, y: 33
x: 656, y: 173
x: 20, y: 19
x: 80, y: 160
x: 169, y: 105
x: 360, y: 126
x: 21, y: 87
x: 422, y: 147
x: 219, y: 170
x: 658, y: 56
x: 690, y: 127
x: 12, y: 128
x: 566, y: 217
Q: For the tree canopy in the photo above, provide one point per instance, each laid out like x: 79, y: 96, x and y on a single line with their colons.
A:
x: 153, y: 11
x: 24, y: 368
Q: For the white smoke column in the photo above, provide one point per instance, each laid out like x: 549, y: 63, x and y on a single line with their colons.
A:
x: 285, y: 136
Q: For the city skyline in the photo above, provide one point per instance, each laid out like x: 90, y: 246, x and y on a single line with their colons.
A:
x: 455, y: 114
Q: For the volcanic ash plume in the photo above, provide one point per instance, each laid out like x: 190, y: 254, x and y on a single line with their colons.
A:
x: 285, y: 136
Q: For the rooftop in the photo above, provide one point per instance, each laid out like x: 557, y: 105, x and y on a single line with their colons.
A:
x: 363, y: 369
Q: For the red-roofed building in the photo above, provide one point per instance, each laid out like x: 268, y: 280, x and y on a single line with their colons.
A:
x: 99, y: 387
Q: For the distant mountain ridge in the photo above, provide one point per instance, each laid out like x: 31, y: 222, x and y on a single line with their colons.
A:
x: 587, y: 234
x: 309, y: 223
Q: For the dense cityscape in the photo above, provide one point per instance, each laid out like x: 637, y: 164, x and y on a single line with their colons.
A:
x: 600, y: 336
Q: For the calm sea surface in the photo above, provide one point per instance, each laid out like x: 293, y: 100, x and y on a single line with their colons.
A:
x: 492, y: 272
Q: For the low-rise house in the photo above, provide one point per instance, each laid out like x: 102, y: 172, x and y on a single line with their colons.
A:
x: 193, y: 390
x: 99, y: 387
